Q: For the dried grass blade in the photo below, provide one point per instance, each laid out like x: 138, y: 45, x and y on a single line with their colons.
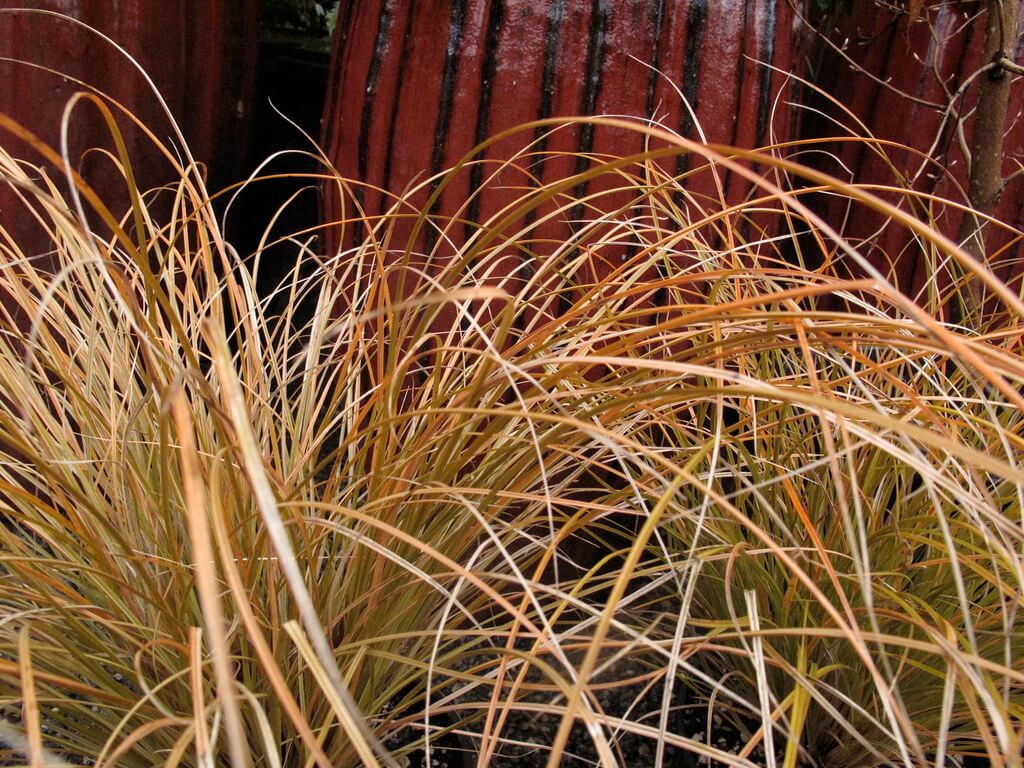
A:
x: 206, y: 580
x: 761, y: 674
x: 351, y: 723
x: 266, y: 502
x: 199, y: 724
x: 30, y: 704
x: 254, y: 633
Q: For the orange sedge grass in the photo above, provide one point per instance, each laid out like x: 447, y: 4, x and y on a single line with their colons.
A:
x: 417, y: 497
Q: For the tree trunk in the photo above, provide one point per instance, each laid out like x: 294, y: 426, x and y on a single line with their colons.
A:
x: 987, y: 150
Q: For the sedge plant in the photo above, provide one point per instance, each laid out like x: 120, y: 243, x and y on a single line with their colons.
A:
x: 618, y: 436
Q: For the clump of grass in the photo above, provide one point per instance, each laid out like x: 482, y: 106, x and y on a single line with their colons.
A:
x: 420, y: 489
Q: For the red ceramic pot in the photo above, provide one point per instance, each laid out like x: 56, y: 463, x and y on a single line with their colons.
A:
x: 200, y: 53
x: 896, y: 80
x: 416, y: 84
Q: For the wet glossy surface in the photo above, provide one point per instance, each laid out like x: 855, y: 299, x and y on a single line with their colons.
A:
x: 926, y: 64
x: 416, y: 85
x: 200, y: 55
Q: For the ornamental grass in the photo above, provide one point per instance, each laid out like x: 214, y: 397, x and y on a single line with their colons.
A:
x: 695, y: 453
